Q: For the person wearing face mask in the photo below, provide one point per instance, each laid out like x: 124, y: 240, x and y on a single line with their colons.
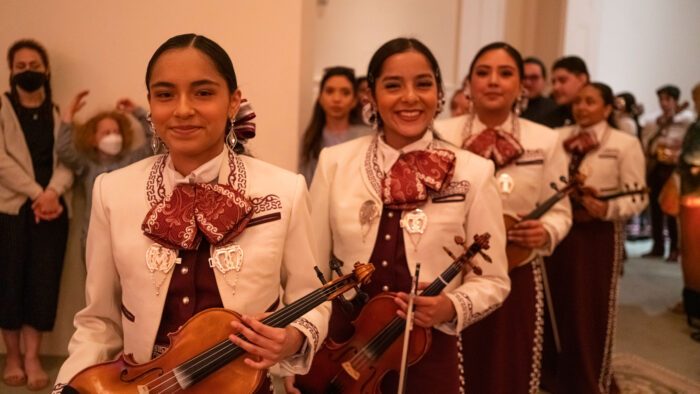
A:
x: 101, y: 145
x: 527, y: 159
x: 33, y: 213
x: 584, y: 268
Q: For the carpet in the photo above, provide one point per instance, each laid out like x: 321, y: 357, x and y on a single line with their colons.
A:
x: 635, y: 375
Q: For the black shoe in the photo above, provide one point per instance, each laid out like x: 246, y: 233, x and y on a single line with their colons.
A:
x: 672, y: 257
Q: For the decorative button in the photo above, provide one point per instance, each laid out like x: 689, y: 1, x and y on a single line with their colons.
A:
x: 387, y: 237
x: 385, y: 288
x: 185, y: 300
x: 184, y: 270
x: 390, y: 214
x: 385, y: 263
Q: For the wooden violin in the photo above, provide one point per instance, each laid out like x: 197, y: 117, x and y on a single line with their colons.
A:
x: 375, y: 348
x: 201, y: 358
x: 517, y: 254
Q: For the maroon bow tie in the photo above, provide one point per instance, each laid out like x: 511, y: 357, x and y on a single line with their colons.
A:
x: 218, y: 212
x: 406, y: 184
x: 581, y: 143
x: 496, y: 145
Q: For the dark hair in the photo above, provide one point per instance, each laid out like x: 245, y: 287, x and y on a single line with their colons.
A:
x: 534, y: 60
x: 218, y: 56
x: 670, y: 90
x: 630, y: 107
x: 392, y: 47
x: 608, y: 97
x: 313, y: 135
x: 359, y: 80
x: 512, y: 52
x: 38, y: 48
x: 572, y: 64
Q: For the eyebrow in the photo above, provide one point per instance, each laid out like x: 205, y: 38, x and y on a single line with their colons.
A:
x: 426, y: 75
x: 165, y: 84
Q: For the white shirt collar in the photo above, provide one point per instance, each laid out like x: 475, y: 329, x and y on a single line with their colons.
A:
x: 598, y: 129
x: 206, y: 173
x: 387, y: 156
x: 506, y: 126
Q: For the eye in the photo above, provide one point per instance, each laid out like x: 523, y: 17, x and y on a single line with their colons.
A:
x: 163, y: 95
x: 205, y: 93
x: 392, y: 85
x: 426, y: 83
x: 482, y: 73
x: 507, y: 73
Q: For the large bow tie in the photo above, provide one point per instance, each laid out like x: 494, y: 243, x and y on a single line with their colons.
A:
x: 406, y: 184
x: 219, y: 212
x: 500, y: 147
x: 581, y: 143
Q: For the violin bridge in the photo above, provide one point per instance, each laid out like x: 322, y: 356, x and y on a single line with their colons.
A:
x: 347, y: 366
x: 142, y: 389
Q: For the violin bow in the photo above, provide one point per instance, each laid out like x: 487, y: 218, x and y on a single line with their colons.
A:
x: 407, y: 331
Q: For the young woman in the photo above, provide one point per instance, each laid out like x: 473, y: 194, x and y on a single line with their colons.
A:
x: 366, y: 192
x: 502, y: 352
x: 257, y: 212
x: 33, y: 218
x: 101, y: 145
x: 583, y: 270
x: 335, y: 118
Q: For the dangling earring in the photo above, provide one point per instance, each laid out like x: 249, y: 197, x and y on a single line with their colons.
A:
x: 520, y: 103
x: 369, y: 116
x: 441, y: 104
x: 156, y: 142
x: 231, y: 139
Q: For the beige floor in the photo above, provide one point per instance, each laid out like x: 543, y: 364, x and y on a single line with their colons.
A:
x: 645, y: 326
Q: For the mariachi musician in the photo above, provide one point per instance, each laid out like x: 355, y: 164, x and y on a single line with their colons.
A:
x: 396, y: 198
x: 528, y: 159
x: 663, y: 138
x: 198, y: 227
x: 584, y: 268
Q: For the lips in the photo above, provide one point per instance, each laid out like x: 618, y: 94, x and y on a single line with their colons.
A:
x: 184, y: 129
x: 409, y: 115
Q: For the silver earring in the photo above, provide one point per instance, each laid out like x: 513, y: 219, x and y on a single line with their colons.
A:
x: 441, y: 104
x: 231, y: 139
x: 520, y: 104
x: 156, y: 142
x: 369, y: 116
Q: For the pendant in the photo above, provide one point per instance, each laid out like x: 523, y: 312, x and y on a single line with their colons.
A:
x: 506, y: 184
x: 160, y: 261
x: 414, y: 222
x: 228, y: 260
x: 369, y: 212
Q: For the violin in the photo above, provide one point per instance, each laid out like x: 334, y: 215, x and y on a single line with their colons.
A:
x: 517, y: 254
x: 201, y: 358
x: 360, y: 364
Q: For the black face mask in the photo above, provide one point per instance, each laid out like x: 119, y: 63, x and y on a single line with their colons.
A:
x: 29, y: 80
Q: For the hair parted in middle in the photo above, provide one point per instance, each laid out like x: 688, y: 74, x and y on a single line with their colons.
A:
x: 510, y: 50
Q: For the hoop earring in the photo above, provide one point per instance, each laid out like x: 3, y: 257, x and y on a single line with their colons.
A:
x: 231, y: 139
x: 156, y: 143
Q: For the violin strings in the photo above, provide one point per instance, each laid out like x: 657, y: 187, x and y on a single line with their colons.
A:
x: 284, y: 314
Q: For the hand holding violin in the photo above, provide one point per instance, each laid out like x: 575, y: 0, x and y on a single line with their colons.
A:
x: 595, y: 207
x: 529, y: 233
x: 428, y: 311
x: 271, y: 344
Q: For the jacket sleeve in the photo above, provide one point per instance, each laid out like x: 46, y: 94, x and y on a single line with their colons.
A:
x: 299, y: 279
x: 632, y: 167
x: 67, y: 152
x: 98, y: 328
x: 480, y: 295
x: 557, y: 221
x: 12, y: 176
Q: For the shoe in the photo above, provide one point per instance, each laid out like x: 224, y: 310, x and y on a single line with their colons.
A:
x: 672, y: 257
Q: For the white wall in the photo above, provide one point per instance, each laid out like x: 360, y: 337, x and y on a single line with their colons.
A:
x: 105, y: 46
x: 638, y: 45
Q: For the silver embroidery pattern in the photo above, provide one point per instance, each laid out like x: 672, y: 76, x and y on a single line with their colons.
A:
x: 374, y: 173
x: 312, y: 329
x: 270, y: 202
x: 455, y: 187
x: 535, y: 370
x: 155, y: 177
x: 468, y: 310
x: 460, y: 359
x: 237, y: 176
x: 605, y: 378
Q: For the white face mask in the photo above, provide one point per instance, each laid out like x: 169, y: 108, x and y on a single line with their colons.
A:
x: 110, y: 144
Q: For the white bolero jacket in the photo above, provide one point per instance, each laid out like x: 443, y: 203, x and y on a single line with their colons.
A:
x: 348, y: 175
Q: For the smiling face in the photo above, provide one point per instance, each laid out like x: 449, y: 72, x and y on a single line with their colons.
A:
x: 494, y: 82
x: 190, y: 104
x: 406, y: 97
x: 337, y: 97
x: 589, y: 108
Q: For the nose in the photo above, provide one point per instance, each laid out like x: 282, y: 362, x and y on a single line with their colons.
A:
x: 184, y: 108
x: 410, y: 95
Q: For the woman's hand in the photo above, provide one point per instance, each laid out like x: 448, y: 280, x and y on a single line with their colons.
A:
x: 595, y: 207
x: 271, y: 344
x: 428, y: 311
x: 529, y: 233
x: 47, y: 206
x: 75, y: 105
x: 126, y: 105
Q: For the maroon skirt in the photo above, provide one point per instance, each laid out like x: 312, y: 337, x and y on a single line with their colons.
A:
x: 582, y: 274
x: 502, y: 353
